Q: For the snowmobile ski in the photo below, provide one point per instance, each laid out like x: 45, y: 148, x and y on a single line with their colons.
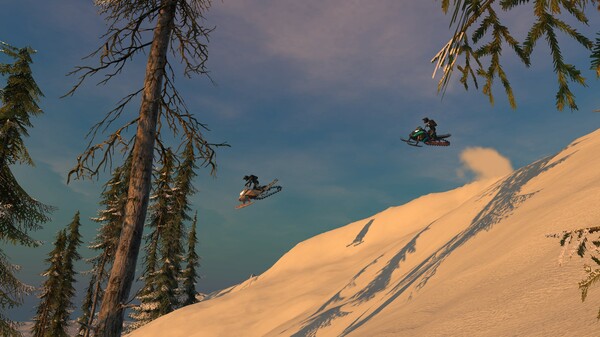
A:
x: 244, y: 205
x: 410, y: 142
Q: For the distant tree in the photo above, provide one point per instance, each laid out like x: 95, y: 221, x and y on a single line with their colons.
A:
x: 51, y: 291
x: 190, y: 274
x: 62, y: 312
x: 86, y: 309
x: 475, y: 21
x: 175, y: 26
x: 170, y: 249
x: 19, y: 212
x: 183, y: 189
x: 53, y: 312
x: 71, y: 254
x: 113, y: 199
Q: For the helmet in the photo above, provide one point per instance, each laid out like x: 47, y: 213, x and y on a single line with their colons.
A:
x: 425, y: 119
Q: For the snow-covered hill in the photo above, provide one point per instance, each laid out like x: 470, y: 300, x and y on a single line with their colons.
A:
x: 473, y: 261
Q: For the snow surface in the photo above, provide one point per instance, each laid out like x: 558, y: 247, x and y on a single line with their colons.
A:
x: 473, y: 261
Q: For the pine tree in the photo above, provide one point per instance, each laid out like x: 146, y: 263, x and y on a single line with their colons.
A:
x: 53, y: 312
x: 113, y: 198
x: 190, y: 274
x: 157, y: 296
x: 19, y: 103
x: 147, y: 310
x: 51, y: 288
x: 182, y: 190
x: 19, y: 212
x: 67, y: 290
x: 183, y: 187
x: 86, y: 309
x: 164, y: 220
x: 162, y: 276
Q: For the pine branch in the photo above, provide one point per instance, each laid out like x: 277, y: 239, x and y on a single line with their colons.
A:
x: 592, y: 278
x: 86, y: 167
x: 468, y: 12
x: 595, y: 56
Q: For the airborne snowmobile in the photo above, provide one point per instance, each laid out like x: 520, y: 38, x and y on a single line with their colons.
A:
x: 257, y: 193
x: 421, y: 135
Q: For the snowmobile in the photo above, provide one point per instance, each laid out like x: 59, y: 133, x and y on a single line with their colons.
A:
x: 421, y: 135
x: 258, y: 193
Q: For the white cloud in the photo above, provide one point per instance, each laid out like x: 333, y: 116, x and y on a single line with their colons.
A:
x: 484, y: 163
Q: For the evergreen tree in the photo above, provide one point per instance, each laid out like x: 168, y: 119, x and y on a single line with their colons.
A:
x: 67, y: 290
x: 190, y: 274
x: 50, y: 294
x: 113, y: 198
x: 170, y: 248
x: 19, y: 103
x: 147, y: 310
x: 19, y: 212
x: 162, y: 276
x: 182, y: 190
x: 52, y: 317
x: 86, y: 309
x: 158, y: 295
x: 183, y: 187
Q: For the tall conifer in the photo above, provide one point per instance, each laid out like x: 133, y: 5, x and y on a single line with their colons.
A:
x: 86, y: 309
x: 190, y: 274
x: 19, y: 212
x: 113, y: 199
x: 51, y: 288
x: 53, y: 313
x: 158, y: 294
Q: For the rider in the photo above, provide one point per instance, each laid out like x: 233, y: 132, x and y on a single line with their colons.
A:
x: 431, y: 124
x: 252, y: 180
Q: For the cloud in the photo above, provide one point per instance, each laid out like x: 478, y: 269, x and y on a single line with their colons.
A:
x: 349, y: 45
x: 484, y: 163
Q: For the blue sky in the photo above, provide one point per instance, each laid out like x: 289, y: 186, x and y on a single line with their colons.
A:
x: 314, y: 93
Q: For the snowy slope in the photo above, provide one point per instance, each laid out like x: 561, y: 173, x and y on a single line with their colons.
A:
x: 473, y: 261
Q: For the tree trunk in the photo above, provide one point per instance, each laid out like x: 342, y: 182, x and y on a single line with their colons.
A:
x: 111, y: 313
x: 96, y: 295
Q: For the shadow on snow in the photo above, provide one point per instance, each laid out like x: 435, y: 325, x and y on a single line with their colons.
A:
x: 506, y: 200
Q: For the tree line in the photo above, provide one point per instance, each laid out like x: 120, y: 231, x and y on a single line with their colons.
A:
x: 171, y: 264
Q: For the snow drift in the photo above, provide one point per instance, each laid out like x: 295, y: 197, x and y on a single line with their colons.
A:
x: 473, y: 261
